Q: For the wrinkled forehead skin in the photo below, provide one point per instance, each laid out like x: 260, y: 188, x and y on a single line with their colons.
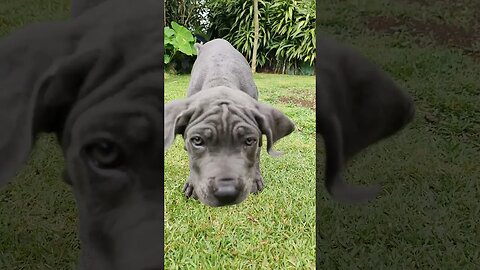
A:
x: 121, y: 211
x: 224, y: 120
x: 223, y: 110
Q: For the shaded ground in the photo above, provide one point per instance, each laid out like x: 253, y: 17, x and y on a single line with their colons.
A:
x: 442, y: 32
x: 438, y: 32
x: 428, y: 215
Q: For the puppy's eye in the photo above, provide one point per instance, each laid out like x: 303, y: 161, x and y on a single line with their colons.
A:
x: 104, y: 154
x: 250, y: 141
x: 197, y: 141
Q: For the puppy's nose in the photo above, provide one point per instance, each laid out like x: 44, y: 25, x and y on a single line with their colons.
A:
x: 226, y: 190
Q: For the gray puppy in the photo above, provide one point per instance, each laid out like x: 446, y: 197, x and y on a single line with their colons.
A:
x: 357, y: 105
x: 96, y: 82
x: 222, y: 123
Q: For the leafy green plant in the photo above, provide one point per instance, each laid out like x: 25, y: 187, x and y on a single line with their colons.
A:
x: 293, y: 22
x: 287, y: 31
x: 177, y: 39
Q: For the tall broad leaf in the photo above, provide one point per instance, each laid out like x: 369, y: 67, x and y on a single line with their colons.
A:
x: 183, y: 39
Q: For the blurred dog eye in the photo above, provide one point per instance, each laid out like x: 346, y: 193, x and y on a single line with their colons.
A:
x: 104, y: 154
x: 250, y: 141
x: 197, y: 141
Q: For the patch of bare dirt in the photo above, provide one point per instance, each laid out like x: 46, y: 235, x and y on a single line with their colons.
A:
x: 450, y: 4
x: 434, y: 2
x: 421, y: 2
x: 441, y: 34
x: 299, y: 102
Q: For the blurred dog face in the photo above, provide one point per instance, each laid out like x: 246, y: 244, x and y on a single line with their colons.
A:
x: 113, y: 165
x: 103, y: 99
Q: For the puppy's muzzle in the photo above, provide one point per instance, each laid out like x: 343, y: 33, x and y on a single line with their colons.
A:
x: 226, y: 190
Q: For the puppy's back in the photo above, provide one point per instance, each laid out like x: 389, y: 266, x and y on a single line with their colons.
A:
x: 220, y: 64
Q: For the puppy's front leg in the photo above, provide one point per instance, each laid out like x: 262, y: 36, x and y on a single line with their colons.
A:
x: 188, y: 189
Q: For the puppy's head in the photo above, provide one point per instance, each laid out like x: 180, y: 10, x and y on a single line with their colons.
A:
x: 223, y: 129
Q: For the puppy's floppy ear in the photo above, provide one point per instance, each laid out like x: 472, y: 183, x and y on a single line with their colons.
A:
x: 33, y: 101
x: 198, y: 46
x: 59, y: 86
x: 177, y: 116
x: 357, y: 105
x: 274, y: 124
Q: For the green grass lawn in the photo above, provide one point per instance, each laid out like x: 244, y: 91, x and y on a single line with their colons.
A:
x: 272, y: 230
x: 428, y: 216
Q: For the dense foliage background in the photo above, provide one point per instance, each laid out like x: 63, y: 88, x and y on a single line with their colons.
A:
x: 286, y: 36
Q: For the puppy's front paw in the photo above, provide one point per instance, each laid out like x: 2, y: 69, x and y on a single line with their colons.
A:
x: 188, y: 190
x: 258, y: 184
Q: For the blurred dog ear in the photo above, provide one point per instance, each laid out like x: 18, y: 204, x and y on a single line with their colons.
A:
x: 274, y: 124
x: 358, y: 104
x: 177, y: 116
x: 38, y: 85
x: 78, y: 7
x: 59, y: 87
